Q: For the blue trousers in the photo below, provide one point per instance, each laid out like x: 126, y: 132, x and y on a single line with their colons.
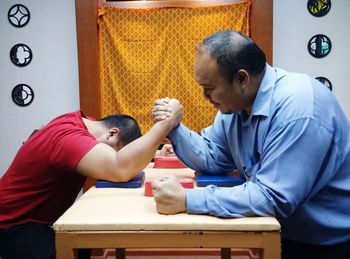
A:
x: 297, y: 250
x: 31, y: 241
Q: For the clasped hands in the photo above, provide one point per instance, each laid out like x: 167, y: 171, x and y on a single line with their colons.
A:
x: 167, y: 108
x: 168, y: 193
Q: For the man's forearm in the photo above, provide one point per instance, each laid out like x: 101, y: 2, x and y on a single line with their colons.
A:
x: 137, y: 154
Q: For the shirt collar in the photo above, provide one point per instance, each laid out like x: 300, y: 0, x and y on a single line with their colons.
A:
x: 263, y: 99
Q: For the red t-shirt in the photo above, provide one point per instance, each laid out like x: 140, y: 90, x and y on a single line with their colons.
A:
x: 41, y: 183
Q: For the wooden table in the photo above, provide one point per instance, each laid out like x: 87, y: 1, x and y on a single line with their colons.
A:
x: 125, y: 218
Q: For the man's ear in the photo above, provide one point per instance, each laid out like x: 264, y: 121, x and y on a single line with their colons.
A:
x: 113, y: 132
x: 242, y: 78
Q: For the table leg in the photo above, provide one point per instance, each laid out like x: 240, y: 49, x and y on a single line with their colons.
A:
x: 225, y: 253
x: 64, y: 250
x: 66, y: 253
x: 272, y: 247
x: 120, y: 253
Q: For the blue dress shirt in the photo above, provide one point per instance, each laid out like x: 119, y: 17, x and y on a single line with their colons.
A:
x: 294, y: 151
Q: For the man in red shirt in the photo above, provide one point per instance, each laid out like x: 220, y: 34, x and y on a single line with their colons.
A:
x: 51, y: 167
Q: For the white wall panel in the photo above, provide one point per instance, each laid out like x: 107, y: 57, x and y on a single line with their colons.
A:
x: 293, y: 28
x: 52, y: 73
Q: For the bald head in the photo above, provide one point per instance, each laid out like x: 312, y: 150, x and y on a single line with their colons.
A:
x: 233, y: 51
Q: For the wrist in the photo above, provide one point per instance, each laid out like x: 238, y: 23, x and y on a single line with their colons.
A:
x: 165, y: 124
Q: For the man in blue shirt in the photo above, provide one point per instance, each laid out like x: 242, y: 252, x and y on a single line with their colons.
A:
x: 284, y: 132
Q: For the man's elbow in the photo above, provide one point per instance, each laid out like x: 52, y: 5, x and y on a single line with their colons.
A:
x: 122, y: 175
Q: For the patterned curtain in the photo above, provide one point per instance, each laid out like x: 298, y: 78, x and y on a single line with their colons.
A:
x: 146, y: 54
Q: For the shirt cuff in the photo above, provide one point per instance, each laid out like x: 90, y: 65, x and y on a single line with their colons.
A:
x: 175, y: 134
x: 195, y: 201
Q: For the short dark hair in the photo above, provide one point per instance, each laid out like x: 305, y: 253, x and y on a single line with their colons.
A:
x: 233, y: 51
x: 128, y: 126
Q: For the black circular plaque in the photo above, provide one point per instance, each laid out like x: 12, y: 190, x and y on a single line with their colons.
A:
x: 325, y: 81
x: 318, y: 8
x: 18, y: 15
x: 21, y: 55
x: 319, y: 46
x: 22, y: 95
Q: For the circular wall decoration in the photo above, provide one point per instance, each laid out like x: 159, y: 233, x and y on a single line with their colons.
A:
x: 325, y: 81
x: 319, y: 46
x: 318, y: 8
x: 21, y: 55
x: 18, y: 15
x: 22, y: 95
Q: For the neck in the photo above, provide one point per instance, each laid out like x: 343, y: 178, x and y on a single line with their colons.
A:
x: 95, y: 128
x: 248, y: 110
x: 255, y: 83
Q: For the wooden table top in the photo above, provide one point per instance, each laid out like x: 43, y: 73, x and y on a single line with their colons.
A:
x: 118, y: 209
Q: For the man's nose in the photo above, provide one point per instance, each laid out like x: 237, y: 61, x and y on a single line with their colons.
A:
x: 206, y: 95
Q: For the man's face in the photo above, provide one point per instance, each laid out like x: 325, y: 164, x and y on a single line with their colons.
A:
x: 226, y: 96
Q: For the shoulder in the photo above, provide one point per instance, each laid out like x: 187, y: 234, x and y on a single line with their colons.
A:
x: 299, y: 97
x: 68, y: 133
x: 293, y: 98
x: 293, y: 89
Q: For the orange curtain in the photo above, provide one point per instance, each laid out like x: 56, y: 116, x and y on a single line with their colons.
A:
x: 147, y: 54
